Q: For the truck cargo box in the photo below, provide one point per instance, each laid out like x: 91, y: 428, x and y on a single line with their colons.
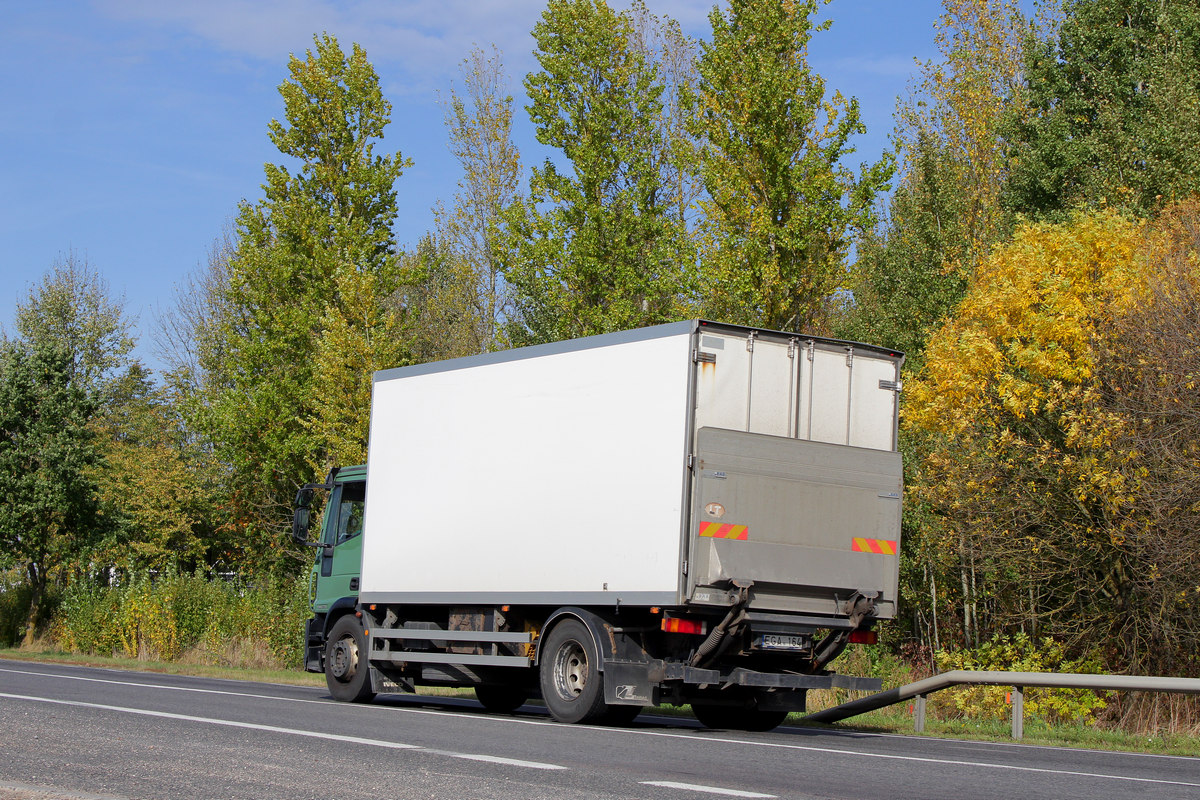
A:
x: 652, y: 467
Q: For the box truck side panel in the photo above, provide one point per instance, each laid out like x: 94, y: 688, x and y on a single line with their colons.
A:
x: 550, y: 478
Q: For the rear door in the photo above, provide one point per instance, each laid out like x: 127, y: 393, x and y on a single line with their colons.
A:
x: 809, y: 523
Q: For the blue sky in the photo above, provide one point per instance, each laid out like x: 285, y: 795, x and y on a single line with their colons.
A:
x: 131, y: 129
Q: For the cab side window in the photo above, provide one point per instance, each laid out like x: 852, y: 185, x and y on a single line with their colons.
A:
x: 350, y: 510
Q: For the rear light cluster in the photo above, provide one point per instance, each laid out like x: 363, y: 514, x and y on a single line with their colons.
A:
x: 863, y: 637
x: 682, y: 625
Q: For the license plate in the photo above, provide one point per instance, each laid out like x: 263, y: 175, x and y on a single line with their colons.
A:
x: 780, y: 641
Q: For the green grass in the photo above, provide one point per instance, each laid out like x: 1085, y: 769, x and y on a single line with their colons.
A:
x: 898, y: 719
x: 893, y: 720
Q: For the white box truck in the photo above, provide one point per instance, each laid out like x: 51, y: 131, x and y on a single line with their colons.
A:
x: 693, y: 513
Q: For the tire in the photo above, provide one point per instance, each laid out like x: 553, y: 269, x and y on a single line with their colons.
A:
x: 737, y: 718
x: 346, y: 672
x: 572, y: 685
x: 501, y: 699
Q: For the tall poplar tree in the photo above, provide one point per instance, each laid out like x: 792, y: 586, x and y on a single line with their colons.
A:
x: 295, y: 267
x: 464, y: 308
x: 945, y: 215
x: 594, y: 248
x: 782, y: 203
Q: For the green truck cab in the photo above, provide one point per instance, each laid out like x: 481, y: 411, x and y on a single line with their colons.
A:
x: 334, y: 578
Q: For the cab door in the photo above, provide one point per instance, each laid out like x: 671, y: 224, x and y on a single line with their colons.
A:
x: 339, y: 561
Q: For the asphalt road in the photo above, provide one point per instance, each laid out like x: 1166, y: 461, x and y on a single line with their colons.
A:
x: 75, y: 732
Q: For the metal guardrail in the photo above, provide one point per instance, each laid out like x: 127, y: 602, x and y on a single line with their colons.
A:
x: 1019, y: 681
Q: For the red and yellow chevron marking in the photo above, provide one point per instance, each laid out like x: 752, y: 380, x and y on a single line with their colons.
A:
x: 880, y: 546
x: 716, y: 530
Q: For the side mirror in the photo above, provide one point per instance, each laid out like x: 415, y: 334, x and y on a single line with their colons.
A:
x: 300, y: 520
x: 304, y: 498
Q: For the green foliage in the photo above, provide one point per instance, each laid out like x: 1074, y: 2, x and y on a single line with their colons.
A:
x: 168, y: 615
x: 316, y: 255
x: 945, y: 215
x: 1020, y: 653
x: 49, y: 513
x: 1111, y: 110
x: 155, y: 482
x: 782, y: 205
x: 595, y: 247
x: 73, y: 310
x: 905, y: 282
x: 15, y: 599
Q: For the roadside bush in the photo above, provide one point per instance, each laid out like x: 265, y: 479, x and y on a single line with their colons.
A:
x: 168, y: 616
x: 14, y: 603
x: 1019, y: 653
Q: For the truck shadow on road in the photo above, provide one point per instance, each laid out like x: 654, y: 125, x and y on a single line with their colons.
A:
x: 646, y: 721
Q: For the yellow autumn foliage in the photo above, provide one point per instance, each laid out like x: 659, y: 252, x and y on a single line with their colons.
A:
x: 1021, y: 461
x: 1023, y: 340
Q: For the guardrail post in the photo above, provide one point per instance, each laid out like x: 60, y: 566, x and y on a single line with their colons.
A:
x: 1018, y: 712
x: 919, y: 714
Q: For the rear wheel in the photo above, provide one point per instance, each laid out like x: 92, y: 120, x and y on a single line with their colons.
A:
x: 501, y: 699
x: 737, y: 718
x: 572, y: 686
x: 346, y: 671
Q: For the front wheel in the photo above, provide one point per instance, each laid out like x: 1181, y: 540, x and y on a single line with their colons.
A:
x: 346, y: 672
x: 572, y: 686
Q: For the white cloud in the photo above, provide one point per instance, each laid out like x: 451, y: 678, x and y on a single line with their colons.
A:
x: 416, y: 44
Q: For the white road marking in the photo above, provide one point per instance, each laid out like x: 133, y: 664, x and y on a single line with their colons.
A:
x: 141, y: 685
x: 331, y: 737
x: 670, y: 735
x: 694, y: 787
x: 516, y: 762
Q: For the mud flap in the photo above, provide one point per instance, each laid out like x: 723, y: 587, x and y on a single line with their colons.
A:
x: 632, y: 683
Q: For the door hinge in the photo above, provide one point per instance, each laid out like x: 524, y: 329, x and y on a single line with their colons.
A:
x: 685, y: 566
x: 690, y: 461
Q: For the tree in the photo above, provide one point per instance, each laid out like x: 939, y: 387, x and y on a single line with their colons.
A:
x: 296, y: 252
x: 662, y: 43
x: 1150, y: 361
x: 49, y: 513
x: 73, y: 308
x: 1022, y: 464
x: 1110, y: 113
x: 360, y: 336
x: 466, y: 314
x: 905, y: 282
x: 782, y: 206
x: 945, y: 214
x: 595, y: 246
x: 155, y: 481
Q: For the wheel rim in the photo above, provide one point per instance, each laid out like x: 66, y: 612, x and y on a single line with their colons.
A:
x: 343, y: 660
x: 570, y: 670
